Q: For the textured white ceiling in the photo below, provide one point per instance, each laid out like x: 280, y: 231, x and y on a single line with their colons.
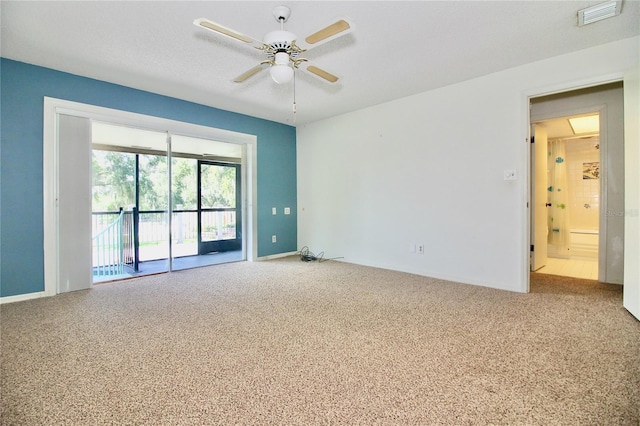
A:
x: 398, y: 48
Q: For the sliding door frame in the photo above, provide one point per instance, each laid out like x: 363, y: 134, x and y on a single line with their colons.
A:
x: 53, y: 107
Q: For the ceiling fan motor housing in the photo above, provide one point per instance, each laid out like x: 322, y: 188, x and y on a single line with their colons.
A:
x: 280, y: 37
x: 280, y: 41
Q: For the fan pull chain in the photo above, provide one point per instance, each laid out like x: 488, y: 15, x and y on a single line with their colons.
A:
x: 294, y: 96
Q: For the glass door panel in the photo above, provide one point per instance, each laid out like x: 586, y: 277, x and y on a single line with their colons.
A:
x: 153, y: 228
x: 184, y: 205
x: 205, y: 199
x: 113, y: 196
x: 219, y: 221
x: 130, y: 189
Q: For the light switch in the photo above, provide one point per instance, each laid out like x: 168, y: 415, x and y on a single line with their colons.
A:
x: 273, y: 210
x: 509, y: 175
x: 287, y: 210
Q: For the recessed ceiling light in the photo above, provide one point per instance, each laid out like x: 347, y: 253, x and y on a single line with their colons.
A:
x: 587, y: 124
x: 599, y: 12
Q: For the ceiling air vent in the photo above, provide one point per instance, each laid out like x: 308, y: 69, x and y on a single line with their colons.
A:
x: 599, y: 12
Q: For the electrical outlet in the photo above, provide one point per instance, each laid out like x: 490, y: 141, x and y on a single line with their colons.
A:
x: 273, y: 239
x: 420, y: 249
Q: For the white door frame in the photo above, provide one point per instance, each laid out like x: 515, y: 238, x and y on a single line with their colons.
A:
x: 631, y: 82
x: 53, y: 107
x: 526, y: 165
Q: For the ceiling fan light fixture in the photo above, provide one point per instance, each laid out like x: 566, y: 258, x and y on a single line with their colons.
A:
x: 281, y: 73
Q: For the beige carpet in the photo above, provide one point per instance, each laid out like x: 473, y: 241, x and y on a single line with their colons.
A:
x: 294, y: 343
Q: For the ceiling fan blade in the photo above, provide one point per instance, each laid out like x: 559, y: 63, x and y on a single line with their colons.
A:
x: 248, y: 74
x: 338, y: 28
x: 319, y: 72
x: 225, y: 31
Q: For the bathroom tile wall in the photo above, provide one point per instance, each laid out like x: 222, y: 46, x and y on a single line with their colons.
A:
x: 584, y: 188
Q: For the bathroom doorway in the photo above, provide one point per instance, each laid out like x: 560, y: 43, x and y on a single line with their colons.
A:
x: 571, y: 184
x: 580, y: 182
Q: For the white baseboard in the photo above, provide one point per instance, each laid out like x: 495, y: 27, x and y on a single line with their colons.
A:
x: 277, y: 256
x: 22, y: 297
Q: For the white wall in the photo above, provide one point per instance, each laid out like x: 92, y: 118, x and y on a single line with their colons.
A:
x: 428, y: 169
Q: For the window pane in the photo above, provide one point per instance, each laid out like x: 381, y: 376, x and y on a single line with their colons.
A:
x: 113, y: 175
x: 218, y: 186
x: 184, y: 183
x: 218, y: 226
x: 153, y: 182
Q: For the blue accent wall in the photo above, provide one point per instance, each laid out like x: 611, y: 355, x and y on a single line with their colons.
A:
x: 22, y: 91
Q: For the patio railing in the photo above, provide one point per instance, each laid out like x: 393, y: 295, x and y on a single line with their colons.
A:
x: 108, y: 249
x: 134, y: 237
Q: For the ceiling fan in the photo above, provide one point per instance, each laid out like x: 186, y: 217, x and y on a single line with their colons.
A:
x: 282, y: 49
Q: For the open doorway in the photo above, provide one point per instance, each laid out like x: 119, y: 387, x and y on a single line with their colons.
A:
x: 568, y: 174
x: 577, y: 179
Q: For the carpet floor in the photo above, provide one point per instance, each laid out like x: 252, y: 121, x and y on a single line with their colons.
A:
x: 296, y: 343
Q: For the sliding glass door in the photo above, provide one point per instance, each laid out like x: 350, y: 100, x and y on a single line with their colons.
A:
x: 158, y: 206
